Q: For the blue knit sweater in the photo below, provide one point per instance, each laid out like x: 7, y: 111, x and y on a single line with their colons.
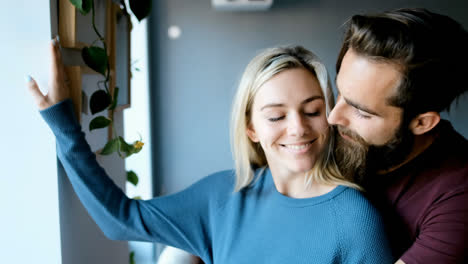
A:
x: 255, y: 225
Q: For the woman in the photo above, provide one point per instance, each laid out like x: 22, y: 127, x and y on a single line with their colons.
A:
x: 285, y: 202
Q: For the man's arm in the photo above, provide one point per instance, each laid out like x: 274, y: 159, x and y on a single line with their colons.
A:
x: 443, y: 234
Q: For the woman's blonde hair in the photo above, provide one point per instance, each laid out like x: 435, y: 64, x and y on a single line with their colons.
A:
x: 248, y: 154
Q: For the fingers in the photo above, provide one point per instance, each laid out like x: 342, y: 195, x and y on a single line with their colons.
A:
x: 56, y: 65
x: 37, y: 95
x: 58, y: 88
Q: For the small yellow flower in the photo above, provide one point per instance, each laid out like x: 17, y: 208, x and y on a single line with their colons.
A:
x: 138, y: 144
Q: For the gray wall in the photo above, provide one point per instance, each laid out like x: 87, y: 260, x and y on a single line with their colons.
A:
x: 193, y: 78
x: 82, y: 240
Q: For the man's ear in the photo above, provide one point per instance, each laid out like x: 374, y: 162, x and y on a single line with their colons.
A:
x: 424, y: 122
x: 251, y: 133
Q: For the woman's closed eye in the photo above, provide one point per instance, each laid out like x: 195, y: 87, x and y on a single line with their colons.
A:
x: 278, y: 117
x: 275, y: 119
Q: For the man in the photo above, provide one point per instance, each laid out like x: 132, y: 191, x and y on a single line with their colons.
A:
x: 396, y: 72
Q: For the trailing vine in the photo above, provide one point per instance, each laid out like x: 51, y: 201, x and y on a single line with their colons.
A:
x: 96, y: 58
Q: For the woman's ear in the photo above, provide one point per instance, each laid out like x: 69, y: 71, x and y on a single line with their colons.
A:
x: 424, y: 122
x: 252, y: 134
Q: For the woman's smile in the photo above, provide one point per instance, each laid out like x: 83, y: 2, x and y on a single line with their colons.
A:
x: 298, y: 148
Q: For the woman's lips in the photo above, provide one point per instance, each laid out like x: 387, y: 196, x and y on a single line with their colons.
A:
x: 298, y: 148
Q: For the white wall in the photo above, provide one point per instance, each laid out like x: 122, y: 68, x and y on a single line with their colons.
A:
x: 136, y: 125
x: 42, y: 219
x: 29, y: 225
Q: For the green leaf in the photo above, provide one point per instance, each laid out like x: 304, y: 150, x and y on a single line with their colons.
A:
x: 136, y: 150
x: 137, y: 198
x: 114, y: 101
x: 125, y: 147
x: 140, y: 8
x: 99, y: 122
x: 95, y: 58
x: 137, y: 146
x: 99, y: 101
x: 132, y: 177
x: 83, y: 5
x: 111, y: 147
x: 132, y: 258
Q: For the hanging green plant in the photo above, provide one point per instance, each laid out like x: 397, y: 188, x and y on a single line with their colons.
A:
x: 96, y: 58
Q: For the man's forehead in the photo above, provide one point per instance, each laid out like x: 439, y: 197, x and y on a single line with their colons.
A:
x: 367, y: 82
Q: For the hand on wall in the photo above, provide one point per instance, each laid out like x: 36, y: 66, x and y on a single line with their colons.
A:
x: 58, y: 88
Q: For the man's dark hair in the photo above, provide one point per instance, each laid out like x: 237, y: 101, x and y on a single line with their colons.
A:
x: 430, y: 50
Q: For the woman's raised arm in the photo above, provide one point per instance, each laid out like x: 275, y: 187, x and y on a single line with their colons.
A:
x: 180, y: 220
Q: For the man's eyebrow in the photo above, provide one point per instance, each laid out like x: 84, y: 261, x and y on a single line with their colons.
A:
x: 354, y: 104
x: 360, y: 107
x: 310, y: 99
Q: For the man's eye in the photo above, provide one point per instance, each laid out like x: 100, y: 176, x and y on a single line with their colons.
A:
x: 313, y: 114
x: 274, y: 119
x: 362, y: 114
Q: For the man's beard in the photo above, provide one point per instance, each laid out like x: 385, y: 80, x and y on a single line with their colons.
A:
x: 357, y: 158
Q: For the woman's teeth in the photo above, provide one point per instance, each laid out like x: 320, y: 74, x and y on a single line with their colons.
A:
x: 297, y: 147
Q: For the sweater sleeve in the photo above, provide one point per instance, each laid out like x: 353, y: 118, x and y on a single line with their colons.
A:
x: 361, y: 231
x: 180, y: 220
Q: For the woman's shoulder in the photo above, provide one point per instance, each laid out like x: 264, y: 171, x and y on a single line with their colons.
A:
x: 361, y: 229
x: 219, y: 181
x: 224, y: 181
x: 353, y: 205
x: 216, y: 186
x: 221, y: 187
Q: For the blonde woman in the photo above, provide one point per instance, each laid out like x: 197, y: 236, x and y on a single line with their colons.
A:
x: 285, y: 202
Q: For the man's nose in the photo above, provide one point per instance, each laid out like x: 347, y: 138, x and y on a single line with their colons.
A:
x: 337, y: 115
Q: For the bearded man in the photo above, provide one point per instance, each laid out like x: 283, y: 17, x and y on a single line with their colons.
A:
x: 396, y: 72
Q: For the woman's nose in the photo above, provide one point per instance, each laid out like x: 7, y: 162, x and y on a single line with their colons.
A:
x: 297, y: 126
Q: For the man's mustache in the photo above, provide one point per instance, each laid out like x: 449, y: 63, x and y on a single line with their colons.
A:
x: 351, y: 134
